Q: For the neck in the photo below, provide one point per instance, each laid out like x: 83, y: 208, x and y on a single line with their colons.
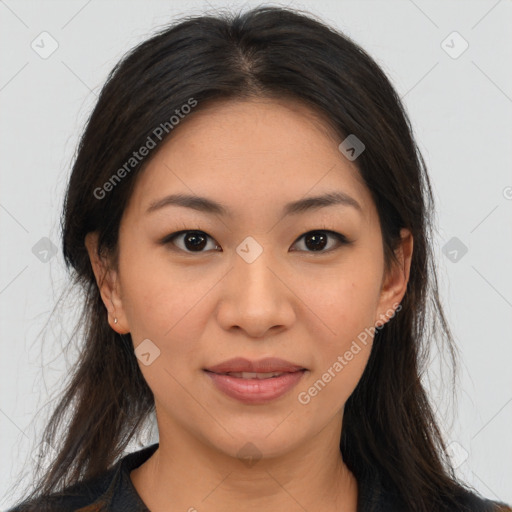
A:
x: 187, y: 475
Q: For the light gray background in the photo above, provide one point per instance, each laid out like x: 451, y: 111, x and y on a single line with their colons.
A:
x: 461, y: 109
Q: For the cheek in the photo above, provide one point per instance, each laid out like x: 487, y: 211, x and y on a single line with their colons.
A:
x: 343, y: 303
x: 328, y: 390
x: 342, y: 351
x: 344, y: 307
x: 157, y: 297
x: 164, y: 306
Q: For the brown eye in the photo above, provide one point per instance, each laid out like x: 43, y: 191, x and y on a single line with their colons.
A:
x: 316, y: 241
x: 191, y: 241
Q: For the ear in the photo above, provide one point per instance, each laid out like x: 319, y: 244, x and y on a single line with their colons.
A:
x: 394, y: 282
x: 108, y: 284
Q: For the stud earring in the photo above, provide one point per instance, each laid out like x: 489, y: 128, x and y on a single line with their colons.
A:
x: 115, y: 320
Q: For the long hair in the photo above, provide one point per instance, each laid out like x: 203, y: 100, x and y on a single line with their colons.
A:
x: 389, y: 426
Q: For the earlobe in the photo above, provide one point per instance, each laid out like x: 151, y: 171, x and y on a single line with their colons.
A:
x: 395, y: 282
x: 106, y: 279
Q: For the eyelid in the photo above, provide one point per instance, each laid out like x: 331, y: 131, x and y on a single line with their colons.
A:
x: 340, y: 238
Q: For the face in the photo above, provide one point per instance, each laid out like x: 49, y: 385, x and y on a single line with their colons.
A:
x: 253, y: 280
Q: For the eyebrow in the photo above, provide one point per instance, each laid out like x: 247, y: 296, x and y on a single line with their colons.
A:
x: 203, y: 204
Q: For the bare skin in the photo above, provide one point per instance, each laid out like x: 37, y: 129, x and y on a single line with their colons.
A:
x: 202, y: 307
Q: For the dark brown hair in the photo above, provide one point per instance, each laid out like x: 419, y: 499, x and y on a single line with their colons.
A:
x: 389, y: 427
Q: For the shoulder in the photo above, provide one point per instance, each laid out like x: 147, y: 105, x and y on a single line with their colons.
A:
x: 376, y: 497
x: 87, y: 496
x: 469, y: 501
x: 466, y: 502
x: 111, y: 490
x: 474, y: 503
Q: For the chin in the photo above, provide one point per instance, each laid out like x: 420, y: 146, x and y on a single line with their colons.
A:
x: 255, y: 444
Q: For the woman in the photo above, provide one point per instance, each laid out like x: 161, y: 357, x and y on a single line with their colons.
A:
x: 250, y: 220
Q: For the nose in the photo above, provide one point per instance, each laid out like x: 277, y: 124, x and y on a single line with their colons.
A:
x: 256, y: 296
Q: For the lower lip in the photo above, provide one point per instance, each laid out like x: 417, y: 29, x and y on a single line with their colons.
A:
x: 256, y: 391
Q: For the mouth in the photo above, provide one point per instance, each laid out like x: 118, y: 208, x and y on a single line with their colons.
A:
x: 255, y: 387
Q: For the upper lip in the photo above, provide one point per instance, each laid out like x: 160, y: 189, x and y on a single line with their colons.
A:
x: 266, y: 365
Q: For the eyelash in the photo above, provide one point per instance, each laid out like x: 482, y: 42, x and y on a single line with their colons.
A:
x: 342, y: 239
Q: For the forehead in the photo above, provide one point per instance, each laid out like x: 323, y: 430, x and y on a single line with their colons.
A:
x: 250, y: 153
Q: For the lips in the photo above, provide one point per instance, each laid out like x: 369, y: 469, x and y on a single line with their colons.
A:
x: 255, y: 382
